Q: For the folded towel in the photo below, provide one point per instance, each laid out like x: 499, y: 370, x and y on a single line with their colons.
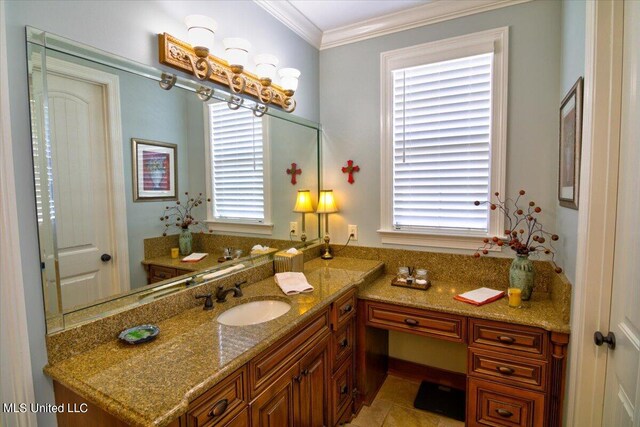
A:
x: 259, y: 248
x: 223, y: 272
x: 194, y: 257
x: 293, y: 283
x: 480, y: 296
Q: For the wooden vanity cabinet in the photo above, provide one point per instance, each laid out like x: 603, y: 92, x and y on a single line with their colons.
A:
x: 158, y: 273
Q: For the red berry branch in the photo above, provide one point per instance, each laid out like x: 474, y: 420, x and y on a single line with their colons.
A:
x: 525, y: 235
x: 180, y: 214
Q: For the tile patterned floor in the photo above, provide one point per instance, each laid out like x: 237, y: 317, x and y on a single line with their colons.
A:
x: 393, y: 407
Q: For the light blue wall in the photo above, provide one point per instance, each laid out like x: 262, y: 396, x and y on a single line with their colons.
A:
x: 350, y: 110
x: 571, y: 67
x: 126, y: 28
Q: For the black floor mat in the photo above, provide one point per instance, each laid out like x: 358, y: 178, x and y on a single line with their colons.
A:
x: 442, y: 400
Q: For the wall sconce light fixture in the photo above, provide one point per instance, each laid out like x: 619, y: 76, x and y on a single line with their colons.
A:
x: 303, y: 206
x: 326, y: 205
x: 196, y: 58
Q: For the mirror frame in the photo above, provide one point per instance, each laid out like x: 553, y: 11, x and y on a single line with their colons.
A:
x: 38, y: 41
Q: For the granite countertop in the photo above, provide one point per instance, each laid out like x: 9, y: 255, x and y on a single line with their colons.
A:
x: 539, y: 311
x: 153, y: 383
x: 210, y: 261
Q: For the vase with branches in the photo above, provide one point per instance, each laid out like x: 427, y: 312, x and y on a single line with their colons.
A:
x: 180, y: 215
x: 525, y: 235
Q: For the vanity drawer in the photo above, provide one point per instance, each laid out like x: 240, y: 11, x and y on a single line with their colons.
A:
x: 343, y: 309
x: 507, y: 337
x: 492, y: 404
x: 222, y: 403
x: 342, y: 342
x: 158, y: 273
x: 342, y: 391
x: 272, y: 363
x: 526, y: 372
x: 423, y: 322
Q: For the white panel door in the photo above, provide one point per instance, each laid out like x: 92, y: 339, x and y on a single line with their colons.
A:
x: 81, y: 191
x: 622, y: 399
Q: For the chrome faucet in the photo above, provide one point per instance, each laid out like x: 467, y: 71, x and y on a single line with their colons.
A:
x: 221, y: 293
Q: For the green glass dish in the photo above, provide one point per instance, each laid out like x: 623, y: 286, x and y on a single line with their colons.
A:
x: 139, y: 334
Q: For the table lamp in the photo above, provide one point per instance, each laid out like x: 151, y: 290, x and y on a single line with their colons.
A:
x: 326, y: 205
x: 303, y: 206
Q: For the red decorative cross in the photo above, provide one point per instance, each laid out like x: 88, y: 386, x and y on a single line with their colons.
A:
x: 350, y: 169
x: 293, y: 172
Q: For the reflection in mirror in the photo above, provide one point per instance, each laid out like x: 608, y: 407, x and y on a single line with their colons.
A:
x: 131, y: 178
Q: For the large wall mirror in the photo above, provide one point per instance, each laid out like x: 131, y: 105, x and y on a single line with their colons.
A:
x: 121, y: 165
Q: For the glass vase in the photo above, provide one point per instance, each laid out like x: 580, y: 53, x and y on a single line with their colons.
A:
x: 521, y: 275
x: 185, y: 241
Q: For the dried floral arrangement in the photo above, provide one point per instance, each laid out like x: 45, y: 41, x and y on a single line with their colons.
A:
x: 525, y: 235
x: 180, y: 214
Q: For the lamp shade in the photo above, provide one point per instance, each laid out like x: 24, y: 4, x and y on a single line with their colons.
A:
x: 236, y: 51
x: 326, y: 202
x: 289, y: 78
x: 201, y: 30
x: 303, y: 202
x: 266, y: 66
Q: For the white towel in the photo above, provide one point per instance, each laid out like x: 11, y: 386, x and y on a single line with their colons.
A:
x: 293, y: 283
x: 223, y: 272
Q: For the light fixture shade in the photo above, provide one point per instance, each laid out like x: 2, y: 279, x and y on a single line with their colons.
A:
x: 289, y: 78
x: 236, y: 51
x: 201, y: 30
x: 326, y: 202
x: 266, y: 66
x: 303, y: 202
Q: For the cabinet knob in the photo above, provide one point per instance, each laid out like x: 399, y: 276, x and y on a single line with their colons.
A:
x: 504, y: 413
x: 344, y: 389
x: 600, y: 339
x: 219, y: 408
x: 298, y: 378
x: 344, y: 343
x: 506, y: 339
x: 411, y: 322
x: 505, y: 370
x: 346, y: 309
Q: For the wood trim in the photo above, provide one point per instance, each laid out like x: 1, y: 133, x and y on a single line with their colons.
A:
x: 415, y: 371
x: 559, y: 344
x: 591, y: 304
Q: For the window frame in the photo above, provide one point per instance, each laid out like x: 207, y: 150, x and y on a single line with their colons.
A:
x: 494, y: 40
x: 237, y: 225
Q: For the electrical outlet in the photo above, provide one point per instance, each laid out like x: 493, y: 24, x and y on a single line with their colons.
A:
x: 293, y: 228
x: 352, y: 230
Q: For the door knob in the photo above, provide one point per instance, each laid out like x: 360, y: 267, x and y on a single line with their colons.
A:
x: 105, y: 257
x: 610, y: 339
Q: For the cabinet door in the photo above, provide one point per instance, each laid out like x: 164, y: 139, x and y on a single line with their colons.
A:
x: 275, y: 406
x: 314, y: 375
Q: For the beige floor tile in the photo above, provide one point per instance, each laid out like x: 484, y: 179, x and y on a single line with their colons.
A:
x: 399, y: 391
x: 400, y: 416
x: 448, y: 422
x: 374, y: 415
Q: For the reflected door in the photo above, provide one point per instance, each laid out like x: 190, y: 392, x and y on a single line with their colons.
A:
x: 622, y: 398
x: 84, y: 220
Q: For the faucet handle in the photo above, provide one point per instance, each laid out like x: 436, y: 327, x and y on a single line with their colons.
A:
x: 208, y: 302
x: 237, y: 285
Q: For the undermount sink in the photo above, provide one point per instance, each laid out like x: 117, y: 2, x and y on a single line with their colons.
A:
x: 252, y: 313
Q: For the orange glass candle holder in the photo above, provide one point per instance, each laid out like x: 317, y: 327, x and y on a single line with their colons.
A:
x: 515, y: 297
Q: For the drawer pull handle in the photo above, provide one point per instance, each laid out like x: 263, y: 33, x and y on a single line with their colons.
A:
x: 219, y: 408
x: 505, y: 370
x: 504, y: 413
x: 505, y: 339
x: 344, y: 343
x: 344, y: 389
x: 346, y: 309
x: 411, y: 322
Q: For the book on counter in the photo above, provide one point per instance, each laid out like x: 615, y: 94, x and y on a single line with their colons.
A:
x: 480, y: 296
x: 194, y: 257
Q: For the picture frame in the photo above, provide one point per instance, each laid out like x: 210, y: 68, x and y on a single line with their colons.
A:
x: 570, y: 147
x: 155, y: 170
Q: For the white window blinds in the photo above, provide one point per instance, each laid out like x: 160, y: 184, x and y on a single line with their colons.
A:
x: 441, y: 144
x: 237, y: 169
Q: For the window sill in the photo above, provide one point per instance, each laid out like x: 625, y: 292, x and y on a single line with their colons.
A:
x: 451, y: 241
x: 241, y: 227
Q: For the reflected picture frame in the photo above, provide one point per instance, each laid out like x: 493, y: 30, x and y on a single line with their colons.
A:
x: 155, y: 170
x: 570, y: 147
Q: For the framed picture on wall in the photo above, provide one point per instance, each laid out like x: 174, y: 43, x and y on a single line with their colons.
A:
x: 155, y: 170
x: 570, y: 147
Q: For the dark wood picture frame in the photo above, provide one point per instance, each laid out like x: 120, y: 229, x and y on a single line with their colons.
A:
x: 570, y: 147
x: 154, y: 170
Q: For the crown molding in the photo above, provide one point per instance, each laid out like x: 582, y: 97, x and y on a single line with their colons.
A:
x: 430, y: 13
x: 286, y: 13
